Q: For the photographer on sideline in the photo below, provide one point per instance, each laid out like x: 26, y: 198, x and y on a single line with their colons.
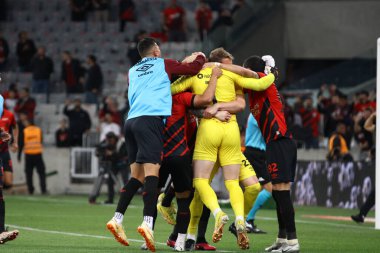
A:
x: 112, y: 154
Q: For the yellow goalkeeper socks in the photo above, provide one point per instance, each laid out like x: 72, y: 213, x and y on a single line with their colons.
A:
x: 207, y: 194
x: 196, y: 208
x: 250, y: 194
x: 236, y: 197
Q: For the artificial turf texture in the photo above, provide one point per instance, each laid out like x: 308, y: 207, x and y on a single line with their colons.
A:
x: 70, y: 224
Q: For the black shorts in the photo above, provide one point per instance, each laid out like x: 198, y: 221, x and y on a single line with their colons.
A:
x: 281, y: 156
x: 6, y: 161
x: 179, y: 167
x: 144, y: 139
x: 256, y: 157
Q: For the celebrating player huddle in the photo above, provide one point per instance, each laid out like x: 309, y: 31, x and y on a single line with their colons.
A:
x: 159, y: 132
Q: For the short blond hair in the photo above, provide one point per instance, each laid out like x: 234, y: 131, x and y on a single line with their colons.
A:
x: 218, y: 54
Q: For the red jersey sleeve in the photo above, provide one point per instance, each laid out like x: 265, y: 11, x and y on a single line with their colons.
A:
x: 173, y: 67
x: 186, y: 98
x: 12, y: 120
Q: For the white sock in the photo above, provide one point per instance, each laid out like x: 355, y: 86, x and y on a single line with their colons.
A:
x: 191, y: 237
x: 216, y: 211
x: 149, y: 221
x: 281, y: 240
x: 293, y: 242
x: 181, y: 238
x: 239, y: 218
x: 119, y: 218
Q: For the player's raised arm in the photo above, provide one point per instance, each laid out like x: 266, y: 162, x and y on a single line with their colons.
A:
x: 181, y: 84
x: 234, y: 68
x: 173, y: 67
x: 255, y: 84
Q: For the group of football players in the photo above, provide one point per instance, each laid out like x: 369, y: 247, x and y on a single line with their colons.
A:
x: 182, y: 122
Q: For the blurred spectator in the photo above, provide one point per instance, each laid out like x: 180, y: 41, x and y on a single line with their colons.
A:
x: 362, y: 136
x: 160, y: 35
x: 12, y: 87
x: 124, y: 111
x: 79, y: 121
x: 101, y: 9
x: 11, y: 97
x: 133, y: 53
x: 331, y: 115
x: 79, y: 10
x: 333, y: 90
x: 62, y: 139
x: 338, y: 149
x: 42, y: 67
x: 224, y: 18
x: 71, y: 72
x: 363, y: 102
x: 11, y: 100
x: 94, y: 81
x: 126, y: 13
x: 174, y: 22
x: 215, y: 5
x: 25, y: 51
x: 32, y: 145
x: 4, y: 53
x: 112, y: 154
x: 110, y: 106
x: 20, y: 123
x: 203, y: 16
x: 25, y: 104
x: 108, y: 126
x: 237, y: 5
x: 310, y: 120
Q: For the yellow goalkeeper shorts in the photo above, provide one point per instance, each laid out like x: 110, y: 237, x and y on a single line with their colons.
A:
x: 218, y: 140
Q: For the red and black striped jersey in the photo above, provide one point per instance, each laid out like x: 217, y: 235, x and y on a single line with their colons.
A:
x: 191, y: 131
x: 267, y: 108
x: 175, y: 133
x: 310, y: 119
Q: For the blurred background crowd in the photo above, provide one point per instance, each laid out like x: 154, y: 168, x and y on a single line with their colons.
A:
x: 63, y: 65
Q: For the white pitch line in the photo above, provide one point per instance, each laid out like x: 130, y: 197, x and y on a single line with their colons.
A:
x: 320, y: 223
x: 83, y: 235
x: 36, y: 199
x: 72, y: 234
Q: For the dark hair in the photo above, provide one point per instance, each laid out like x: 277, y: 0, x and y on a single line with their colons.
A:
x: 92, y: 58
x: 364, y: 92
x: 254, y: 63
x: 111, y: 135
x: 145, y: 45
x: 67, y: 52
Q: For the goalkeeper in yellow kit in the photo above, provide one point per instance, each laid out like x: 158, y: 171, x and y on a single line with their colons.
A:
x: 216, y: 139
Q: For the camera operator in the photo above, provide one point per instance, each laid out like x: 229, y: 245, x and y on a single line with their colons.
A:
x: 112, y: 154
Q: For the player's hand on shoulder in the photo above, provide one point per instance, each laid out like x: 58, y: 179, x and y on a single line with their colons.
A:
x: 208, y: 65
x: 216, y: 72
x: 199, y: 53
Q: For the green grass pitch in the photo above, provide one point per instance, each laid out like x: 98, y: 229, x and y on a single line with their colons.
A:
x: 69, y: 224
